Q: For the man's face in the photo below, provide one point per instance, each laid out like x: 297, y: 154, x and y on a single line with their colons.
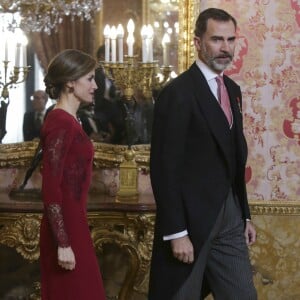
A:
x: 39, y: 100
x: 216, y: 47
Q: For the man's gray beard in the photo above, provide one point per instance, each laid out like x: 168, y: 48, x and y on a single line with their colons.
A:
x: 218, y: 67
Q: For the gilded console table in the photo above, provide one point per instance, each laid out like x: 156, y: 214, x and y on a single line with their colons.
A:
x: 275, y: 255
x: 127, y: 226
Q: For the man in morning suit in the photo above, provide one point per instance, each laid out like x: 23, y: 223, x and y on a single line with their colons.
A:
x: 197, y: 165
x: 33, y: 120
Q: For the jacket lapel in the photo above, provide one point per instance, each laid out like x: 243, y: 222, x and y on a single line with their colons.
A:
x: 235, y: 105
x: 211, y: 110
x: 235, y: 102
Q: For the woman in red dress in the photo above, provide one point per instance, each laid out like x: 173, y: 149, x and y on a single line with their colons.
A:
x: 69, y: 266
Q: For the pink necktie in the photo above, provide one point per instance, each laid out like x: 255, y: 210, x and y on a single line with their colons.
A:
x: 224, y: 98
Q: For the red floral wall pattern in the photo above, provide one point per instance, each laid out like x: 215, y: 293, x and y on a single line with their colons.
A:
x: 267, y: 67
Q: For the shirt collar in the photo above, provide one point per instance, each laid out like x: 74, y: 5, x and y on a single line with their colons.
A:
x: 207, y: 72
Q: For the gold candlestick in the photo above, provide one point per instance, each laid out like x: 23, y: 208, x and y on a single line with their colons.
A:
x: 17, y: 75
x: 162, y: 76
x: 131, y: 75
x: 123, y: 74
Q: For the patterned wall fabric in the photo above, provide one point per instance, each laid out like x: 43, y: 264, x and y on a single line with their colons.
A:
x: 267, y: 67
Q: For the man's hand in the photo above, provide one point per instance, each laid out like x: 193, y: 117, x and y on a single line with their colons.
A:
x: 183, y: 249
x: 250, y: 233
x: 66, y: 258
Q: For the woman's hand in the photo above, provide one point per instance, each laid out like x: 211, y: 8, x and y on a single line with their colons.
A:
x: 66, y: 258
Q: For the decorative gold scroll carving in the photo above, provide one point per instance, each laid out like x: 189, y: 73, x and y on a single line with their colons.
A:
x: 132, y: 233
x: 142, y: 155
x: 19, y: 155
x: 23, y: 235
x: 108, y: 155
x: 21, y: 231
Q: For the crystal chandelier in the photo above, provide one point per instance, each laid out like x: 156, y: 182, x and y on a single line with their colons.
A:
x: 45, y: 15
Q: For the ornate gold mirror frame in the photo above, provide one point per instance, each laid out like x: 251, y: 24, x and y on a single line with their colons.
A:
x: 19, y: 155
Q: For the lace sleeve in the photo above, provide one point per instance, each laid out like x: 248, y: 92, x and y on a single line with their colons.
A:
x: 54, y: 213
x: 56, y: 144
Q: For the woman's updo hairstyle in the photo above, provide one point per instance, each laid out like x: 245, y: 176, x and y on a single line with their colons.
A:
x: 68, y: 65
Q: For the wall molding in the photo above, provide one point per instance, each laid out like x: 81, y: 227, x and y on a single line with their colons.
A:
x: 274, y: 207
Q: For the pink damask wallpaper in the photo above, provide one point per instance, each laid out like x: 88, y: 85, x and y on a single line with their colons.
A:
x: 267, y: 67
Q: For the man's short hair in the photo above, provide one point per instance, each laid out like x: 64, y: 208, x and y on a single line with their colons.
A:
x: 211, y: 13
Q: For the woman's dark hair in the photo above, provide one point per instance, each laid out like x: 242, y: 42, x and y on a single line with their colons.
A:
x: 68, y: 65
x: 211, y: 13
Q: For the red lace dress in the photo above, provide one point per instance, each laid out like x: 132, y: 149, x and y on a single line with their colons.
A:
x: 66, y: 171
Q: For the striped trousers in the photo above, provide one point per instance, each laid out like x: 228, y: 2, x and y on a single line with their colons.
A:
x: 224, y: 260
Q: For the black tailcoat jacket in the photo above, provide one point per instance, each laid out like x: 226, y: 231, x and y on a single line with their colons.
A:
x: 191, y: 170
x: 30, y: 130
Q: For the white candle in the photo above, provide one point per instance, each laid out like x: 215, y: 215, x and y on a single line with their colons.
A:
x: 107, y: 41
x: 130, y: 42
x: 150, y: 43
x: 6, y: 51
x: 144, y: 34
x: 165, y: 44
x: 17, y: 55
x: 24, y: 55
x: 120, y: 35
x: 130, y: 38
x: 113, y: 36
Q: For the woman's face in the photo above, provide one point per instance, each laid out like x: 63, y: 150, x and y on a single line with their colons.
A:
x: 84, y: 87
